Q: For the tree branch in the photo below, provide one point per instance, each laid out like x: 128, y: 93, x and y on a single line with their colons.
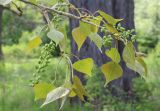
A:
x: 13, y: 11
x: 45, y: 8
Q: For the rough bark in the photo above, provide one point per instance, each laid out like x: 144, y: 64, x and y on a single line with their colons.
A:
x: 118, y: 9
x: 1, y: 13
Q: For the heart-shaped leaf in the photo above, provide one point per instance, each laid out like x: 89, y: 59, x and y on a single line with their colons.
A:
x: 90, y: 28
x: 85, y: 66
x: 111, y: 71
x: 55, y: 94
x: 78, y: 88
x: 143, y: 64
x: 112, y: 21
x: 113, y: 54
x: 79, y: 37
x: 111, y: 29
x: 41, y: 90
x: 129, y: 55
x: 55, y: 35
x: 97, y: 40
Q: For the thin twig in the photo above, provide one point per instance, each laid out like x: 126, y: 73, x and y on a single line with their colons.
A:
x: 45, y: 8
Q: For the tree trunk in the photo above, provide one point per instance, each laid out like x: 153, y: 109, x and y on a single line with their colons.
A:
x: 118, y: 9
x: 1, y: 14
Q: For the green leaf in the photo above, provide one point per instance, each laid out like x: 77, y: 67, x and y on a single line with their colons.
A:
x: 111, y: 71
x: 97, y: 40
x: 5, y: 2
x: 111, y: 29
x: 80, y: 33
x: 55, y: 94
x: 143, y: 64
x: 89, y: 28
x: 112, y: 21
x: 85, y: 66
x: 79, y: 37
x: 113, y: 54
x: 86, y: 28
x: 135, y: 63
x: 41, y: 90
x: 55, y: 35
x: 72, y: 94
x: 129, y: 55
x: 78, y: 88
x: 35, y: 42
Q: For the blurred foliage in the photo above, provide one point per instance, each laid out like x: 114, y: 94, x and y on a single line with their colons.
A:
x: 14, y: 26
x: 144, y: 96
x: 147, y: 19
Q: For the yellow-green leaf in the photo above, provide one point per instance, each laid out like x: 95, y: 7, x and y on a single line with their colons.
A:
x: 89, y: 28
x: 111, y: 71
x: 41, y: 90
x: 97, y: 40
x: 86, y: 28
x: 35, y: 42
x: 111, y: 29
x: 113, y: 54
x: 72, y: 94
x: 55, y: 35
x: 129, y: 54
x: 79, y: 37
x: 55, y: 94
x: 143, y: 64
x: 85, y: 66
x: 112, y: 21
x: 78, y: 88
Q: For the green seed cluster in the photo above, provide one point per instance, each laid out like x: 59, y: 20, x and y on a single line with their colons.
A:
x: 107, y: 38
x: 126, y: 34
x: 107, y: 41
x: 43, y: 62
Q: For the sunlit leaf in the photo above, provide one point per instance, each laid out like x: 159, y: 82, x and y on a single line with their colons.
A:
x: 55, y: 35
x: 91, y: 28
x: 85, y: 66
x: 129, y: 55
x: 143, y: 64
x: 112, y: 21
x: 35, y: 42
x: 79, y: 37
x: 42, y: 89
x: 55, y: 94
x: 113, y: 54
x: 5, y: 2
x: 96, y: 20
x: 111, y: 29
x: 86, y: 28
x: 78, y: 88
x: 111, y: 71
x: 72, y: 94
x: 97, y: 40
